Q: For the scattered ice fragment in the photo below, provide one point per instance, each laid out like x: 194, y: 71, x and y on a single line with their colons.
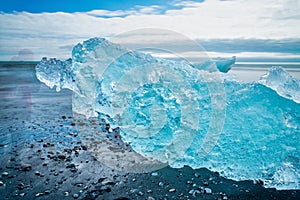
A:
x: 172, y: 190
x: 60, y: 74
x: 154, y: 174
x: 207, y: 190
x: 224, y: 64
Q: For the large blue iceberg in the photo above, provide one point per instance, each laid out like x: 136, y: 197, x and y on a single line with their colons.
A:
x: 178, y: 113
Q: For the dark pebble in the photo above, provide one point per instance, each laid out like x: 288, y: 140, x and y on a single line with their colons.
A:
x: 37, y: 173
x: 50, y: 152
x: 21, y: 186
x: 68, y: 150
x: 259, y: 182
x: 73, y: 170
x: 122, y: 198
x: 70, y: 165
x: 84, y: 148
x: 61, y: 156
x: 109, y: 183
x: 106, y: 189
x: 47, y: 192
x: 45, y: 145
x: 101, y: 179
x: 26, y: 167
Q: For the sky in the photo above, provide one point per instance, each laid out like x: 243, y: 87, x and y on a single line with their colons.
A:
x: 264, y: 29
x: 37, y: 6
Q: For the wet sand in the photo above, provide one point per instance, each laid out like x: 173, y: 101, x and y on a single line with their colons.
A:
x: 44, y: 157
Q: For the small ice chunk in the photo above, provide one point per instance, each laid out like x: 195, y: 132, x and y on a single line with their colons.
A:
x: 282, y: 82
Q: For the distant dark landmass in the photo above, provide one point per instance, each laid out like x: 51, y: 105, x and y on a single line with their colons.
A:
x: 18, y: 63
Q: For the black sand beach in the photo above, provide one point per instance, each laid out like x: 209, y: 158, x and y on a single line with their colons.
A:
x: 43, y: 157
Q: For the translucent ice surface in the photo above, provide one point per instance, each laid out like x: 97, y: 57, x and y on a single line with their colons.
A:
x: 224, y: 65
x: 283, y: 83
x: 60, y: 73
x: 179, y: 114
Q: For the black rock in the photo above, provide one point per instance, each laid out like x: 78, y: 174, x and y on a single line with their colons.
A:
x: 101, y: 179
x: 70, y: 165
x: 122, y: 198
x: 84, y: 148
x: 25, y: 167
x: 61, y: 156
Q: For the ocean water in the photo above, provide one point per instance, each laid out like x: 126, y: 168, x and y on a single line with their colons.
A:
x: 37, y: 126
x: 252, y: 71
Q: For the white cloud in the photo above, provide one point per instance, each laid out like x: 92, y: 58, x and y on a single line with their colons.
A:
x: 107, y: 13
x: 45, y: 33
x: 180, y: 3
x: 138, y: 10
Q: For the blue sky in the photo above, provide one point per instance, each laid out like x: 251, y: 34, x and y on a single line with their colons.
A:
x: 37, y: 6
x: 256, y: 28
